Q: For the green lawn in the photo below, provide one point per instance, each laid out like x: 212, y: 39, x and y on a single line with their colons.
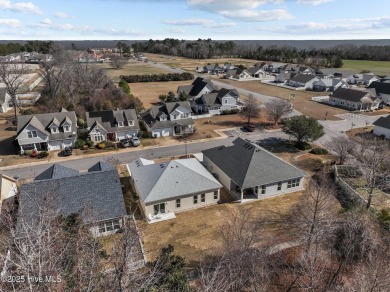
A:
x: 377, y: 67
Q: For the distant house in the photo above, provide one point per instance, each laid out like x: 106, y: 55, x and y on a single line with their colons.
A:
x: 197, y: 88
x: 49, y: 131
x: 362, y: 79
x: 248, y: 171
x: 303, y: 80
x: 172, y: 187
x: 354, y: 99
x: 170, y: 119
x: 382, y: 90
x: 8, y: 191
x: 256, y: 72
x: 112, y: 125
x: 283, y: 77
x: 305, y: 70
x: 95, y: 195
x: 382, y: 127
x: 274, y: 67
x: 5, y: 100
x: 216, y: 102
x: 238, y: 74
x: 329, y: 84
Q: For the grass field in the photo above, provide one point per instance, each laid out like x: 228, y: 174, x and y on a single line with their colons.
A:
x: 131, y: 68
x: 377, y: 67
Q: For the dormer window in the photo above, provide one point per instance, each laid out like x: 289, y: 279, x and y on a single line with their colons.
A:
x: 120, y: 124
x: 131, y: 123
x: 32, y: 134
x: 54, y: 129
x: 66, y: 128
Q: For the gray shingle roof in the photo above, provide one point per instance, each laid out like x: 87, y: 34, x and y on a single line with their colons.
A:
x: 383, y: 122
x: 109, y: 120
x: 170, y: 180
x: 380, y: 87
x: 56, y: 171
x: 303, y: 78
x: 198, y: 85
x: 250, y: 165
x: 97, y: 196
x: 349, y: 94
x: 101, y: 166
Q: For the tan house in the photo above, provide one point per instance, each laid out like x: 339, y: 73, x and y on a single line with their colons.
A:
x: 172, y: 187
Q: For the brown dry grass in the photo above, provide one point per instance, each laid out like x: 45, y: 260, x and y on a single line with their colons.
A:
x: 191, y: 64
x: 131, y: 68
x: 194, y: 234
x: 149, y: 92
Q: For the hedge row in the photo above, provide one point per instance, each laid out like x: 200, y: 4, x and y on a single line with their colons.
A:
x: 158, y: 77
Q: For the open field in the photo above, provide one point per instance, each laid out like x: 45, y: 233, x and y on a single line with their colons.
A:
x: 132, y: 68
x: 301, y: 101
x: 191, y: 64
x: 377, y: 67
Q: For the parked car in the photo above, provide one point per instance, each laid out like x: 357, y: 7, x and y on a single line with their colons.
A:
x: 125, y: 143
x: 67, y: 151
x: 135, y: 141
x: 249, y: 127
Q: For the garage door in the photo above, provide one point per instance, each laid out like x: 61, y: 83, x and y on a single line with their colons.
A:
x: 55, y: 145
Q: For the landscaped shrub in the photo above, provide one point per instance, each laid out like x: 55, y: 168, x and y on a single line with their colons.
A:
x: 234, y: 111
x: 80, y: 143
x: 34, y: 153
x: 319, y: 151
x: 225, y: 112
x: 90, y: 144
x: 43, y: 154
x: 101, y: 146
x: 108, y: 144
x: 302, y: 145
x: 27, y: 152
x: 158, y: 77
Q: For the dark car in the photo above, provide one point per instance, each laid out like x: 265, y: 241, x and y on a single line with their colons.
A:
x: 67, y: 151
x: 250, y: 127
x: 125, y: 143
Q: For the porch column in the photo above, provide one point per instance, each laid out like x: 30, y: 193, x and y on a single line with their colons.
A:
x: 21, y: 149
x: 35, y: 147
x: 258, y: 192
x: 242, y: 194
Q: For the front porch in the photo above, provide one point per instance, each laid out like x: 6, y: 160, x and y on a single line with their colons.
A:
x: 42, y: 146
x: 179, y: 130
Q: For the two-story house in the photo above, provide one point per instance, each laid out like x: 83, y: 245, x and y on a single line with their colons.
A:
x: 50, y: 131
x: 198, y: 87
x: 169, y: 119
x: 112, y: 125
x: 216, y: 102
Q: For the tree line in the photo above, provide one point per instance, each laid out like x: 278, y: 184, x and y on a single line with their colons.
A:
x: 158, y: 77
x: 207, y: 48
x: 42, y: 47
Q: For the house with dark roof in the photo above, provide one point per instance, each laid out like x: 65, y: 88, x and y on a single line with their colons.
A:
x: 95, y: 195
x: 283, y: 77
x: 382, y: 90
x: 248, y: 171
x: 354, y: 99
x: 171, y: 187
x: 303, y: 80
x: 329, y: 84
x: 257, y: 72
x: 238, y: 74
x: 198, y: 87
x: 382, y: 127
x: 362, y: 79
x: 49, y: 131
x: 112, y: 125
x: 216, y: 102
x: 5, y: 100
x: 169, y: 119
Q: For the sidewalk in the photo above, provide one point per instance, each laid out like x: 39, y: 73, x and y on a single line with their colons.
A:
x: 57, y: 158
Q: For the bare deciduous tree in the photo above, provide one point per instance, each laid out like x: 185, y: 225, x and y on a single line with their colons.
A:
x: 13, y: 76
x: 251, y: 108
x: 118, y: 61
x: 342, y: 146
x: 278, y: 108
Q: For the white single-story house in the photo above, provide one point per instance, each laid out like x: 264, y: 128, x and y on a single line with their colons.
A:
x: 248, y: 171
x: 354, y: 99
x: 382, y: 127
x: 303, y: 80
x: 172, y: 187
x: 362, y: 79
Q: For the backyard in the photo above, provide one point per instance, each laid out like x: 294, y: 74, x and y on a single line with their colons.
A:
x: 377, y: 67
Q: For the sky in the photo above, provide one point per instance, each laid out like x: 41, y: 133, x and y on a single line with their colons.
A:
x: 193, y: 19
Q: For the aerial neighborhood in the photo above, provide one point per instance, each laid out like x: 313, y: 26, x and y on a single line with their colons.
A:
x: 195, y: 156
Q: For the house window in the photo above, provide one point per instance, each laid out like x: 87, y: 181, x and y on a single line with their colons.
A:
x: 215, y: 195
x: 225, y: 101
x: 203, y: 198
x: 159, y: 208
x: 178, y: 203
x: 54, y: 130
x: 263, y: 189
x: 131, y: 123
x: 120, y: 124
x: 279, y: 186
x: 293, y: 183
x: 109, y: 226
x: 98, y: 138
x: 174, y: 116
x: 32, y: 134
x: 66, y: 128
x: 195, y: 199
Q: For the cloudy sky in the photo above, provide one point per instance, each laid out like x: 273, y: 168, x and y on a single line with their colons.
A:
x: 192, y: 19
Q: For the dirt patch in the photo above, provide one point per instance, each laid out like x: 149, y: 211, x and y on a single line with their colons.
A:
x: 361, y: 134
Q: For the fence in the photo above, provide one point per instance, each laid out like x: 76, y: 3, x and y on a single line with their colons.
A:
x: 195, y: 117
